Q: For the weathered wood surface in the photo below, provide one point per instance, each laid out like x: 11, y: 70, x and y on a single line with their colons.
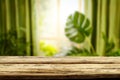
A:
x: 59, y: 68
x: 59, y: 60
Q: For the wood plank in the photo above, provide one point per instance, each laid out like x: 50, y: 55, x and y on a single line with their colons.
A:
x: 27, y: 67
x: 58, y: 60
x: 60, y: 70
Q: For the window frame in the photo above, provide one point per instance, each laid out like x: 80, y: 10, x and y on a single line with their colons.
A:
x: 31, y: 67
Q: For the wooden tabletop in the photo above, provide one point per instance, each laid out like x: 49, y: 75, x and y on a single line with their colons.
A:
x: 27, y: 67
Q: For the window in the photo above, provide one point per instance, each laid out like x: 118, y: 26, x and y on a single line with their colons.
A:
x: 51, y: 17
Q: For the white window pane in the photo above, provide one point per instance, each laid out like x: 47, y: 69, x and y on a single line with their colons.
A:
x: 67, y: 7
x: 46, y: 17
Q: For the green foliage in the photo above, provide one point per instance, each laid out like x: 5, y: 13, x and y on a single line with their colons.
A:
x: 78, y: 30
x: 109, y: 49
x: 47, y: 49
x: 10, y: 45
x: 77, y: 27
x: 109, y: 45
x: 114, y: 53
x: 74, y: 51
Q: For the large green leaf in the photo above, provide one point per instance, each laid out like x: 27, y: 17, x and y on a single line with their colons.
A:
x: 77, y: 27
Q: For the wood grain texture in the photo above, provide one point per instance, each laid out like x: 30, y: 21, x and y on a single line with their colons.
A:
x: 59, y: 68
x: 59, y: 60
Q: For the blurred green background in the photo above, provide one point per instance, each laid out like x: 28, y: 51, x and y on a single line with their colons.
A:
x: 95, y: 26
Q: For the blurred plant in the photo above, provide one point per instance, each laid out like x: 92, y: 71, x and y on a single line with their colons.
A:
x: 48, y: 49
x: 74, y: 51
x: 77, y: 27
x: 114, y: 53
x: 10, y: 45
x: 78, y: 30
x: 109, y: 49
x: 109, y: 44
